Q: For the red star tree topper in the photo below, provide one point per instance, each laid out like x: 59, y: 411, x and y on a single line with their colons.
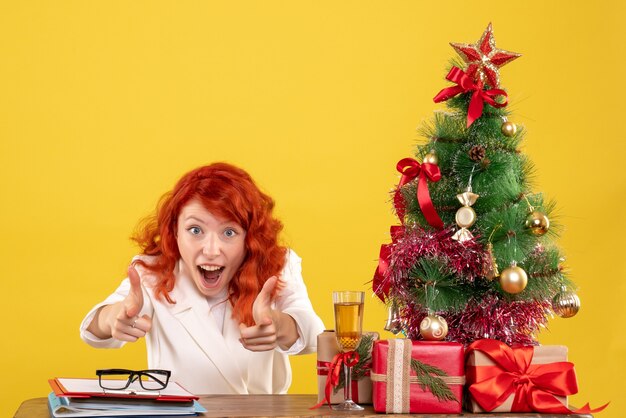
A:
x: 484, y: 59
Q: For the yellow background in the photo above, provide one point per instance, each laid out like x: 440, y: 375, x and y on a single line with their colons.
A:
x: 104, y: 104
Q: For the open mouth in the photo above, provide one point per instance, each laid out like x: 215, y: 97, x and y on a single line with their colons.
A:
x: 211, y: 274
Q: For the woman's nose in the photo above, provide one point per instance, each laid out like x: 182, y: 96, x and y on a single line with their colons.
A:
x: 211, y: 246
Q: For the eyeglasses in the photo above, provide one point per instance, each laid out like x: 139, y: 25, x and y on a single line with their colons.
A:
x: 119, y: 379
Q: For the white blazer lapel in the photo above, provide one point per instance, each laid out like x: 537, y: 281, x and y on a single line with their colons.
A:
x: 190, y: 308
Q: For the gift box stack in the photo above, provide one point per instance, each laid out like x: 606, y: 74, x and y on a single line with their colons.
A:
x: 429, y: 377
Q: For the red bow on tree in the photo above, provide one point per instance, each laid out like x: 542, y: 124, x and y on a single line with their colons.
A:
x: 479, y: 97
x: 535, y: 386
x: 410, y: 169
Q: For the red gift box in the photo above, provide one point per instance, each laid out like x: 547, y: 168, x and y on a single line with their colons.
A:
x: 396, y: 388
x: 522, y: 379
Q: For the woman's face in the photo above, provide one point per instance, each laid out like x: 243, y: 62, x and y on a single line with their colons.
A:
x: 212, y: 249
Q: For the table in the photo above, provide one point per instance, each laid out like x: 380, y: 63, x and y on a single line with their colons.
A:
x: 276, y: 406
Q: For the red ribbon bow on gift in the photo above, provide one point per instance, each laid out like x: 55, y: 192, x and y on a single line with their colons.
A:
x: 479, y: 97
x: 535, y: 385
x: 380, y: 285
x: 349, y: 358
x: 410, y: 169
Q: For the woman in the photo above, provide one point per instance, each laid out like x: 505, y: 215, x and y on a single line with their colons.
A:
x: 219, y: 302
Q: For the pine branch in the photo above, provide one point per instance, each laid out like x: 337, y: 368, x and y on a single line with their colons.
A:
x: 364, y: 351
x: 436, y: 286
x: 427, y: 377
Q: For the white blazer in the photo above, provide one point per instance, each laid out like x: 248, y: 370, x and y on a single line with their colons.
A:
x: 186, y: 340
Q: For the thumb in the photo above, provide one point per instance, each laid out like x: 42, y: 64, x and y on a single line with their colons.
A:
x: 262, y: 308
x: 134, y: 300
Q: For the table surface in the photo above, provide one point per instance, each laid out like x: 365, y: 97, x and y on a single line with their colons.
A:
x: 276, y: 406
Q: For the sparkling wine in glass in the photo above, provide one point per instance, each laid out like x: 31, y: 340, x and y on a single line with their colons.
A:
x: 348, y: 329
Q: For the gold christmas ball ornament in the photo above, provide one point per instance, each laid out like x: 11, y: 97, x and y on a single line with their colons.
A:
x: 566, y: 304
x: 433, y: 328
x: 513, y: 279
x: 537, y: 222
x: 430, y: 158
x: 508, y: 129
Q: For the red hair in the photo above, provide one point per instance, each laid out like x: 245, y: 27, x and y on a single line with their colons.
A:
x: 230, y: 193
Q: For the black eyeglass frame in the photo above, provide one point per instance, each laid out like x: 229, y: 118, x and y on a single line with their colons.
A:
x: 134, y: 375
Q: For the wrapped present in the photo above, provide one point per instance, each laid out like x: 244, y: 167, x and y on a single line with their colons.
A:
x: 327, y: 349
x: 417, y: 376
x: 523, y: 379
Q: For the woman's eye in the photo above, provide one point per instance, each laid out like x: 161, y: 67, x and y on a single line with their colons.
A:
x: 195, y: 230
x: 230, y: 232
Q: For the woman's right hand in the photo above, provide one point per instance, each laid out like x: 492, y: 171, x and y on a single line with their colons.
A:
x: 120, y: 320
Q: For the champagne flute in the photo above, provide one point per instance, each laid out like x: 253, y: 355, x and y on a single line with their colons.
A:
x: 348, y: 330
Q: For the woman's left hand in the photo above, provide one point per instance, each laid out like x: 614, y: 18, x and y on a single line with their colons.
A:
x: 263, y: 335
x: 271, y: 328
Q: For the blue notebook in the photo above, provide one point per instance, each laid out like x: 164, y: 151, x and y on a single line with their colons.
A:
x: 111, y: 407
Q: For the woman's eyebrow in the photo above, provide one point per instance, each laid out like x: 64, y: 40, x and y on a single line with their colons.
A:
x: 194, y: 218
x: 223, y: 223
x: 231, y: 223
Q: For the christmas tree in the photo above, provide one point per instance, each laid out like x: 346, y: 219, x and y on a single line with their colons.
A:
x: 474, y: 255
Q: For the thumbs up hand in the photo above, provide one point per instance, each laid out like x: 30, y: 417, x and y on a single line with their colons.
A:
x: 127, y: 325
x: 271, y: 328
x: 134, y: 301
x: 262, y: 336
x: 120, y: 320
x: 262, y: 307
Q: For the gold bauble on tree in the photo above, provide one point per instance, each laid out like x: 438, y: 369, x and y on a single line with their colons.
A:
x: 513, y: 279
x: 537, y: 222
x: 433, y: 328
x: 430, y: 158
x: 566, y: 303
x: 508, y: 129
